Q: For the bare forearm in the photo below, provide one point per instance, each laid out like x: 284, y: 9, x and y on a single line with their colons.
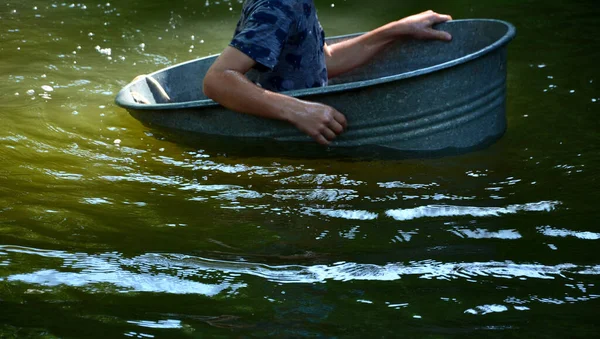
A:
x: 226, y: 83
x: 234, y: 91
x: 347, y: 55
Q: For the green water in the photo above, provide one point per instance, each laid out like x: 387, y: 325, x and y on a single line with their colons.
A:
x: 148, y: 238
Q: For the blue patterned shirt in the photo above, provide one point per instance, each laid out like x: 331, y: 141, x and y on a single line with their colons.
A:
x: 286, y: 40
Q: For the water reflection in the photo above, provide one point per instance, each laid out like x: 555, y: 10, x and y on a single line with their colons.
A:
x: 342, y: 214
x: 486, y: 234
x: 487, y: 309
x: 453, y: 211
x: 122, y: 281
x: 107, y: 268
x: 132, y: 334
x: 309, y: 242
x: 563, y: 233
x: 177, y: 274
x: 316, y: 195
x: 167, y: 324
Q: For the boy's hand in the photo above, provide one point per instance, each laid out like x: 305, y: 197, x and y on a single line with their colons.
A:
x: 344, y: 56
x: 321, y: 122
x: 226, y: 84
x: 419, y: 26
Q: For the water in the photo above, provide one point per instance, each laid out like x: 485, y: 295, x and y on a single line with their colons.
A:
x: 108, y: 230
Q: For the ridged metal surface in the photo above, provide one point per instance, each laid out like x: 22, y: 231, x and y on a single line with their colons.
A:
x: 417, y: 96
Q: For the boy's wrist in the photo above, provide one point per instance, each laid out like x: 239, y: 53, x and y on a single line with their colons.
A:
x: 394, y: 31
x: 282, y: 107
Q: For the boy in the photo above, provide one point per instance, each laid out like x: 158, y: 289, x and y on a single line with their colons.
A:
x: 284, y: 41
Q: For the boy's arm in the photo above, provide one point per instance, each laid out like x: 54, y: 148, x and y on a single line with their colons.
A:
x: 226, y: 84
x: 347, y: 55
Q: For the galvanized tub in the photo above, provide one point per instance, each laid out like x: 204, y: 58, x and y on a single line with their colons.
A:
x: 417, y: 96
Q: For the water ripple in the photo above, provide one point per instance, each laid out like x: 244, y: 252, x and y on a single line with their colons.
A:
x: 173, y: 273
x: 434, y: 211
x: 109, y: 268
x: 344, y: 214
x: 64, y: 175
x: 329, y: 195
x: 486, y: 234
x: 127, y: 281
x: 486, y: 309
x: 165, y: 324
x: 400, y: 184
x: 563, y: 233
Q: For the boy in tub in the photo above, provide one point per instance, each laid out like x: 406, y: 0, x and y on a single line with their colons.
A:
x: 284, y: 41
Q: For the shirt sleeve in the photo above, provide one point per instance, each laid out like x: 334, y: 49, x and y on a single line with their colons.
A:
x: 265, y: 32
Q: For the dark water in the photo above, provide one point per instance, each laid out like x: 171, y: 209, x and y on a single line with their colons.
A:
x: 106, y: 230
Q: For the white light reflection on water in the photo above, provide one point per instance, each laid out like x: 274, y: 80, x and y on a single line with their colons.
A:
x: 211, y: 166
x: 343, y: 214
x: 486, y: 309
x: 404, y: 236
x: 130, y: 282
x: 522, y: 308
x: 110, y: 268
x: 172, y: 273
x: 138, y: 335
x: 5, y: 262
x: 64, y: 175
x: 400, y: 184
x: 96, y: 201
x: 486, y: 234
x: 329, y: 195
x: 166, y: 324
x: 433, y: 211
x: 563, y: 233
x: 439, y: 196
x: 351, y: 233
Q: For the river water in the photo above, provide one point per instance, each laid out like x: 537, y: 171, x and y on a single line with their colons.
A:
x: 109, y: 230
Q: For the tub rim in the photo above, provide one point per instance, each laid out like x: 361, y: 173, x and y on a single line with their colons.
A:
x: 501, y: 42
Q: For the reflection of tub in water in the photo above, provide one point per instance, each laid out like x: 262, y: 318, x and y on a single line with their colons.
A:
x: 417, y: 96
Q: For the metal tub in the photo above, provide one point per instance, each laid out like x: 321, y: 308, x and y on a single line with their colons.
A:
x: 417, y: 96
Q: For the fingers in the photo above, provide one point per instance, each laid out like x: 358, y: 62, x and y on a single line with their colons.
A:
x: 436, y: 17
x: 439, y: 18
x: 420, y: 26
x: 328, y: 134
x: 321, y: 122
x: 336, y: 127
x: 341, y: 120
x: 321, y: 139
x: 441, y: 35
x: 431, y: 18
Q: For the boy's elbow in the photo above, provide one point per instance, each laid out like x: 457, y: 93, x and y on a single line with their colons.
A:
x: 217, y: 84
x: 209, y: 85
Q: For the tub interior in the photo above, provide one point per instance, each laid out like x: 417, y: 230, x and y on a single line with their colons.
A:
x: 184, y: 82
